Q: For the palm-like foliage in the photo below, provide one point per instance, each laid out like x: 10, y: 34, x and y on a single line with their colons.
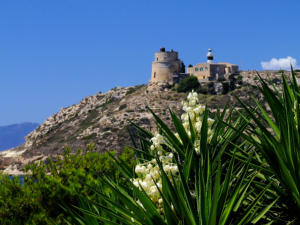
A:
x: 209, y: 189
x: 275, y: 135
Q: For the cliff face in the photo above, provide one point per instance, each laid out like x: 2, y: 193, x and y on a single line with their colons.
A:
x: 103, y: 119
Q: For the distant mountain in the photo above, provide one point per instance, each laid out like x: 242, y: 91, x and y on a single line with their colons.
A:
x: 13, y: 135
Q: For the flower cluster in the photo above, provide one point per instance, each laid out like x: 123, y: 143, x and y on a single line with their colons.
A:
x: 157, y: 142
x: 194, y: 111
x: 149, y: 177
x: 148, y: 173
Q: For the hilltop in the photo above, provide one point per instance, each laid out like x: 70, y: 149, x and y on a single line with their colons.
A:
x: 104, y: 118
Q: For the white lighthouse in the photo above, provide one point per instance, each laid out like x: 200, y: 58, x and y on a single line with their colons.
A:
x: 210, y: 56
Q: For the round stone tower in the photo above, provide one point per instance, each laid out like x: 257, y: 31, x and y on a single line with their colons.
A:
x: 165, y: 65
x: 210, y: 56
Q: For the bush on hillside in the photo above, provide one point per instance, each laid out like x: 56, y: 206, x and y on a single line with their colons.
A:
x: 226, y: 87
x: 188, y: 84
x: 54, y: 183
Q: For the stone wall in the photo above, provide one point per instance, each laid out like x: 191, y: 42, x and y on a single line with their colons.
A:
x: 201, y: 70
x: 211, y: 71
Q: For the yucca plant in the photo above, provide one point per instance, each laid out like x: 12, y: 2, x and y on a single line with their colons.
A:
x: 274, y: 133
x: 183, y: 177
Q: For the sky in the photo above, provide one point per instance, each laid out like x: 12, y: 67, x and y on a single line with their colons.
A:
x: 55, y: 53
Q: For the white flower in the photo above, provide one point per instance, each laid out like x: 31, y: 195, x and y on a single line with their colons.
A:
x: 199, y: 109
x: 170, y: 155
x: 210, y: 121
x: 193, y: 102
x: 143, y: 169
x: 144, y: 184
x: 189, y: 109
x: 166, y: 168
x: 174, y: 169
x: 136, y: 183
x: 157, y: 140
x: 192, y: 115
x: 198, y: 126
x: 149, y: 167
x: 153, y: 189
x: 148, y: 177
x: 138, y: 169
x: 197, y: 146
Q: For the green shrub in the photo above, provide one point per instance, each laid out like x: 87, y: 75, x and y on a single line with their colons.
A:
x: 240, y: 79
x: 275, y: 137
x: 188, y: 84
x: 20, y: 204
x: 54, y: 183
x: 91, y: 136
x: 275, y: 81
x: 123, y: 106
x: 220, y: 79
x: 226, y: 88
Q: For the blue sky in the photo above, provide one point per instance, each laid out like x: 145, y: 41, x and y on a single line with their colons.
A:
x: 54, y: 53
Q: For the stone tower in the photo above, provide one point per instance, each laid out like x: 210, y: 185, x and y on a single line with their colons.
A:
x: 165, y: 65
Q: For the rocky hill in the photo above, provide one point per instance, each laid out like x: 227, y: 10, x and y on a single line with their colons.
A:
x: 104, y: 118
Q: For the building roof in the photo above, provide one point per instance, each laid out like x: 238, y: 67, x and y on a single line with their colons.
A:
x: 226, y: 63
x: 219, y: 63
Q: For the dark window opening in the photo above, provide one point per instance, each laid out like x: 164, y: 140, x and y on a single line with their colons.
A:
x: 154, y: 75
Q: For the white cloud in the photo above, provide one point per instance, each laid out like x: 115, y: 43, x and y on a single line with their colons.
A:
x: 281, y: 63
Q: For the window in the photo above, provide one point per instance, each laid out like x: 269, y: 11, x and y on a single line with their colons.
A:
x: 157, y: 59
x: 154, y: 75
x: 196, y: 69
x: 206, y: 68
x: 201, y: 69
